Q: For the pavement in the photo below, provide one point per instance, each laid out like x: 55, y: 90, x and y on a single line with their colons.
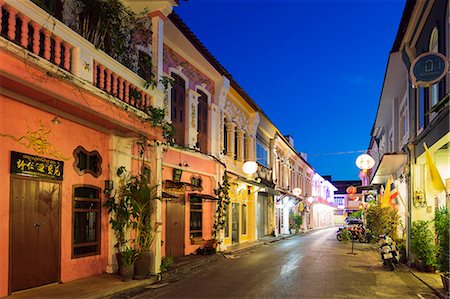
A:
x: 108, y: 285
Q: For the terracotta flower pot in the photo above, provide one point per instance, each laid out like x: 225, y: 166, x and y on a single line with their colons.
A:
x: 142, y: 265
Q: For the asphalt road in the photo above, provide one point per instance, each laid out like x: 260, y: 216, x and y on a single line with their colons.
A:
x: 314, y: 265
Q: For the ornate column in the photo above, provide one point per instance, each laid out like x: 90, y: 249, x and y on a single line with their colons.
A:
x: 240, y: 144
x: 250, y: 149
x: 230, y: 139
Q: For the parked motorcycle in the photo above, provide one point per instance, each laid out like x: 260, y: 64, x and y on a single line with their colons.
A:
x: 358, y: 233
x: 355, y: 233
x: 340, y: 232
x: 389, y: 252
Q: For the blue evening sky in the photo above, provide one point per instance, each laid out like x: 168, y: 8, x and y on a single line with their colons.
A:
x: 316, y: 68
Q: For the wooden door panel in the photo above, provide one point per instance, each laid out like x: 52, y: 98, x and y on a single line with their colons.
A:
x: 24, y: 232
x: 49, y: 238
x: 174, y: 229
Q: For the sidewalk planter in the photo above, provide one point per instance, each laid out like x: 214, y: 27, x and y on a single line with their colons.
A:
x: 422, y: 245
x: 127, y: 260
x: 142, y: 265
x: 126, y: 272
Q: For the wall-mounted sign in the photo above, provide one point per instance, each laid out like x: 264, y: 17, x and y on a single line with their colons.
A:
x: 36, y: 166
x: 428, y: 68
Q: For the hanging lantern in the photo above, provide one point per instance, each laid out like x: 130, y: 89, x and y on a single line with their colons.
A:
x: 365, y: 162
x: 352, y: 197
x: 351, y: 190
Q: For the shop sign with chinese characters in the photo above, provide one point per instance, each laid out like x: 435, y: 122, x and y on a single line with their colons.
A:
x: 25, y: 164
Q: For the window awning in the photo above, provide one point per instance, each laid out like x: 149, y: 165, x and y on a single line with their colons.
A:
x: 390, y: 164
x: 204, y: 196
x: 166, y: 195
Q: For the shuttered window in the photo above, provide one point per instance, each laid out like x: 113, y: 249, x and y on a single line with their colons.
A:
x: 202, y: 125
x: 178, y: 99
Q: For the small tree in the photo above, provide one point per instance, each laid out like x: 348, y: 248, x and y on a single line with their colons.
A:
x: 382, y: 221
x: 224, y: 200
x: 422, y: 243
x: 441, y: 224
x: 357, y: 214
x: 298, y: 220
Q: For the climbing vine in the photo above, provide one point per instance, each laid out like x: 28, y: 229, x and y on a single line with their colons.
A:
x: 222, y: 192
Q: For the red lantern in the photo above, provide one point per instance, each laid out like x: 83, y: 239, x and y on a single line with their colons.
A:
x: 351, y: 197
x: 351, y: 190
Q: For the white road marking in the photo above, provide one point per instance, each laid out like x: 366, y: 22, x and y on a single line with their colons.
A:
x: 287, y: 268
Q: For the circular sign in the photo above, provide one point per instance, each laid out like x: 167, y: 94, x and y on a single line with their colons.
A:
x: 428, y: 68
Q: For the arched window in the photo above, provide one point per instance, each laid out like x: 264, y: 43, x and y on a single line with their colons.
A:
x: 178, y: 103
x: 202, y: 125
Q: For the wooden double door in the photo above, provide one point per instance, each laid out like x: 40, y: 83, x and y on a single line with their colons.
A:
x: 34, y: 232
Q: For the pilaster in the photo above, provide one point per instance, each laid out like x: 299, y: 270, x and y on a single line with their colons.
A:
x: 192, y: 123
x: 156, y: 219
x: 120, y: 155
x: 215, y: 129
x: 240, y: 145
x: 157, y: 46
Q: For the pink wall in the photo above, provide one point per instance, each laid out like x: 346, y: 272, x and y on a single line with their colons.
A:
x: 65, y: 138
x: 196, y: 164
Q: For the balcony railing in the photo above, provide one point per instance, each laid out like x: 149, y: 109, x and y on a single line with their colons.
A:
x: 30, y: 27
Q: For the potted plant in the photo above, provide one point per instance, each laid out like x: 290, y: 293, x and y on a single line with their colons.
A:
x: 136, y: 190
x: 422, y: 245
x: 127, y: 258
x: 120, y: 209
x: 132, y: 208
x: 441, y: 224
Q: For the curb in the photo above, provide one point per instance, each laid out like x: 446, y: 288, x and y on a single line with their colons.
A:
x: 437, y: 292
x: 107, y: 293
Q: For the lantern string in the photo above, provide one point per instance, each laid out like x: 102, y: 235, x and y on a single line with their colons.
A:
x: 343, y: 153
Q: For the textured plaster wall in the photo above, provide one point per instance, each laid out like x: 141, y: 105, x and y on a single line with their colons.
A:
x: 14, y: 118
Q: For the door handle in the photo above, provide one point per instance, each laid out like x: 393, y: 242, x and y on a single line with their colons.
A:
x: 36, y: 224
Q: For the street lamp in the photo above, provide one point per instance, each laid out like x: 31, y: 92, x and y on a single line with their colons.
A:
x: 250, y: 167
x: 297, y: 191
